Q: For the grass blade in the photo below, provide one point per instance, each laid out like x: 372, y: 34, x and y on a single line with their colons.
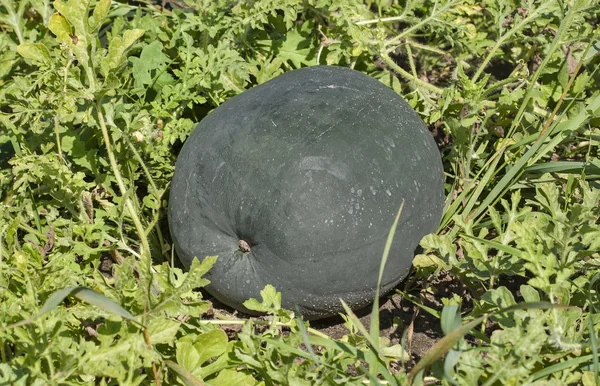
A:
x: 83, y: 293
x: 562, y: 366
x: 96, y: 299
x: 186, y: 377
x: 570, y: 167
x: 386, y: 251
x: 496, y: 245
x: 593, y: 341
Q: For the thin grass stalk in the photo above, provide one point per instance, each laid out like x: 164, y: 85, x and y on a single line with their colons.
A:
x: 562, y: 29
x: 145, y: 246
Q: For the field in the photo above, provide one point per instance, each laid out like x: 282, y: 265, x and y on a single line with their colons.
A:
x: 98, y: 96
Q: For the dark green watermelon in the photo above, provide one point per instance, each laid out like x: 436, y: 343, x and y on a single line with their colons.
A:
x: 296, y: 183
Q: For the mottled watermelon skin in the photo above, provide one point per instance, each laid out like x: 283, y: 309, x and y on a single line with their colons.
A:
x: 309, y: 169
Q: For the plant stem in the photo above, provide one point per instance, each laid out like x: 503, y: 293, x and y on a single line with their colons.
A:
x: 434, y: 15
x: 386, y: 58
x: 261, y: 322
x: 502, y: 40
x: 533, y: 82
x: 411, y: 61
x: 58, y: 148
x: 568, y: 86
x: 380, y: 20
x: 145, y: 247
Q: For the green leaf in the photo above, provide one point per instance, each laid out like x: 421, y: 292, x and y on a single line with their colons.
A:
x: 271, y: 301
x: 494, y: 244
x: 151, y: 59
x: 231, y: 377
x: 162, y: 330
x: 117, y: 49
x: 100, y: 12
x: 61, y: 28
x: 170, y: 300
x: 211, y: 344
x: 76, y: 13
x: 570, y: 167
x: 67, y: 142
x: 530, y: 294
x: 187, y: 356
x: 500, y: 297
x: 396, y: 352
x: 38, y: 52
x: 374, y: 328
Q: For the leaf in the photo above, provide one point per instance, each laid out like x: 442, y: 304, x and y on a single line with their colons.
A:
x: 396, y: 352
x: 231, y: 377
x: 100, y: 12
x: 494, y: 244
x: 530, y: 294
x: 38, y: 52
x: 151, y: 59
x: 76, y: 13
x: 211, y: 344
x: 500, y: 297
x: 162, y: 330
x: 117, y: 48
x: 61, y: 28
x: 593, y: 51
x: 271, y: 301
x: 570, y: 167
x: 187, y: 355
x: 170, y: 300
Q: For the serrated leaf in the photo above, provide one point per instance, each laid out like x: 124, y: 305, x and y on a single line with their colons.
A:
x: 427, y: 261
x: 271, y: 300
x: 61, y: 28
x: 37, y: 52
x: 117, y: 48
x: 100, y: 12
x: 162, y: 330
x: 297, y: 47
x: 446, y: 344
x: 151, y: 59
x: 170, y: 300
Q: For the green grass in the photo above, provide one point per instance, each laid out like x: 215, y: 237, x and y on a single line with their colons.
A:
x: 96, y: 98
